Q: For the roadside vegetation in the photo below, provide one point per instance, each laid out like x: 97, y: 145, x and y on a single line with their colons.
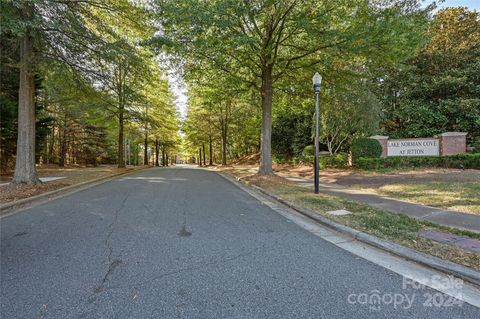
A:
x: 457, y: 196
x: 63, y: 177
x: 81, y: 86
x: 88, y: 84
x: 397, y: 228
x: 452, y: 189
x: 429, y: 86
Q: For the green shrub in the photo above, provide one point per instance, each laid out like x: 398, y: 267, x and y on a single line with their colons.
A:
x: 366, y: 148
x: 452, y: 161
x: 309, y: 150
x: 338, y: 160
x: 476, y: 146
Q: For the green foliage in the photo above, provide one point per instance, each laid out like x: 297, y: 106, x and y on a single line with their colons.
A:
x: 476, y: 145
x: 348, y: 110
x: 225, y: 117
x: 8, y: 113
x: 365, y: 147
x: 269, y: 48
x: 309, y: 150
x: 339, y: 160
x: 93, y: 67
x: 452, y: 161
x: 291, y: 133
x: 438, y: 90
x: 8, y: 132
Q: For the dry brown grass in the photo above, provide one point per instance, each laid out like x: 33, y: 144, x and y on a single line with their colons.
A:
x: 72, y: 176
x: 12, y: 193
x: 267, y: 179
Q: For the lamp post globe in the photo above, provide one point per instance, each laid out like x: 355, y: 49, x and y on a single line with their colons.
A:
x: 317, y: 82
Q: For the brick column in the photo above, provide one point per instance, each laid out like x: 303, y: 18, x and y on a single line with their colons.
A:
x: 383, y: 140
x: 452, y: 143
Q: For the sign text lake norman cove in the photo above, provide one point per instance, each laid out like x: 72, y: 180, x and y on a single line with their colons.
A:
x: 414, y: 147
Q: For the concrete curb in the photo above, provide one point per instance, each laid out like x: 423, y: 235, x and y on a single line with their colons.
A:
x: 445, y: 266
x: 10, y: 208
x: 436, y: 215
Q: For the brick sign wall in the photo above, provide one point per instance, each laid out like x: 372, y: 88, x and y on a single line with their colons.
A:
x: 449, y: 143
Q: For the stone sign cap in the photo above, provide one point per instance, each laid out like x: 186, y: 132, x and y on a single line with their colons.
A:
x: 379, y: 137
x: 453, y: 134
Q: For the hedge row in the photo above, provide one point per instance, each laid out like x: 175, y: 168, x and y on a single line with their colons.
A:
x: 339, y: 160
x: 365, y: 147
x: 452, y: 161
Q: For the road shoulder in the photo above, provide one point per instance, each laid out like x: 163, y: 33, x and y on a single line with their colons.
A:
x: 445, y: 266
x: 10, y: 208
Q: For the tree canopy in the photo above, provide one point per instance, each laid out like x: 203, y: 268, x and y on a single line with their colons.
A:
x: 438, y: 89
x: 78, y: 70
x: 265, y: 49
x: 86, y: 82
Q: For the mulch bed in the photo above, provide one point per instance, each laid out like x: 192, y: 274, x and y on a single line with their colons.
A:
x: 9, y: 193
x: 72, y: 175
x: 267, y: 179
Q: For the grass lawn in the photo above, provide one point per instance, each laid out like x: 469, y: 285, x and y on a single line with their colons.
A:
x: 397, y: 228
x: 453, y: 189
x: 458, y: 196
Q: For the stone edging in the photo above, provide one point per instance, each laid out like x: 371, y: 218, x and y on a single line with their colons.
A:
x: 445, y: 266
x: 7, y: 208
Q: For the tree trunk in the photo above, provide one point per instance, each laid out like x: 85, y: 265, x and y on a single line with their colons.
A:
x: 210, y: 157
x: 156, y: 152
x: 63, y: 143
x: 136, y: 154
x: 25, y: 170
x: 73, y: 148
x: 266, y: 140
x: 120, y: 83
x: 199, y: 157
x: 145, y: 149
x: 121, y: 160
x: 204, y: 160
x: 46, y: 156
x: 163, y: 156
x: 51, y: 147
x: 224, y: 144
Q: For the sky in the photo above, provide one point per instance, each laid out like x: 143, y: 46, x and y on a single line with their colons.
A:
x: 472, y: 4
x: 180, y: 90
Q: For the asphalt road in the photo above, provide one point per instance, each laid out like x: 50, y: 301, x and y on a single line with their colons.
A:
x: 186, y: 243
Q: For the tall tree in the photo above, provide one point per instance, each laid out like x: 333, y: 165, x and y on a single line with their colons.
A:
x: 59, y: 30
x: 25, y: 171
x: 261, y: 42
x: 438, y: 89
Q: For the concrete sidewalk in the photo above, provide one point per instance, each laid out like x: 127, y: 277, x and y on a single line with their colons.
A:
x: 435, y: 215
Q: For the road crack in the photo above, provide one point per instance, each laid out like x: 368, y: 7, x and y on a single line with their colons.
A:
x: 112, y: 264
x: 111, y: 228
x: 183, y: 231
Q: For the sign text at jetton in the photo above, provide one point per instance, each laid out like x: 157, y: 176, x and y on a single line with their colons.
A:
x: 414, y: 147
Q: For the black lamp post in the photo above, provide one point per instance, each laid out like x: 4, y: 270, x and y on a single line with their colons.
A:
x: 317, y: 83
